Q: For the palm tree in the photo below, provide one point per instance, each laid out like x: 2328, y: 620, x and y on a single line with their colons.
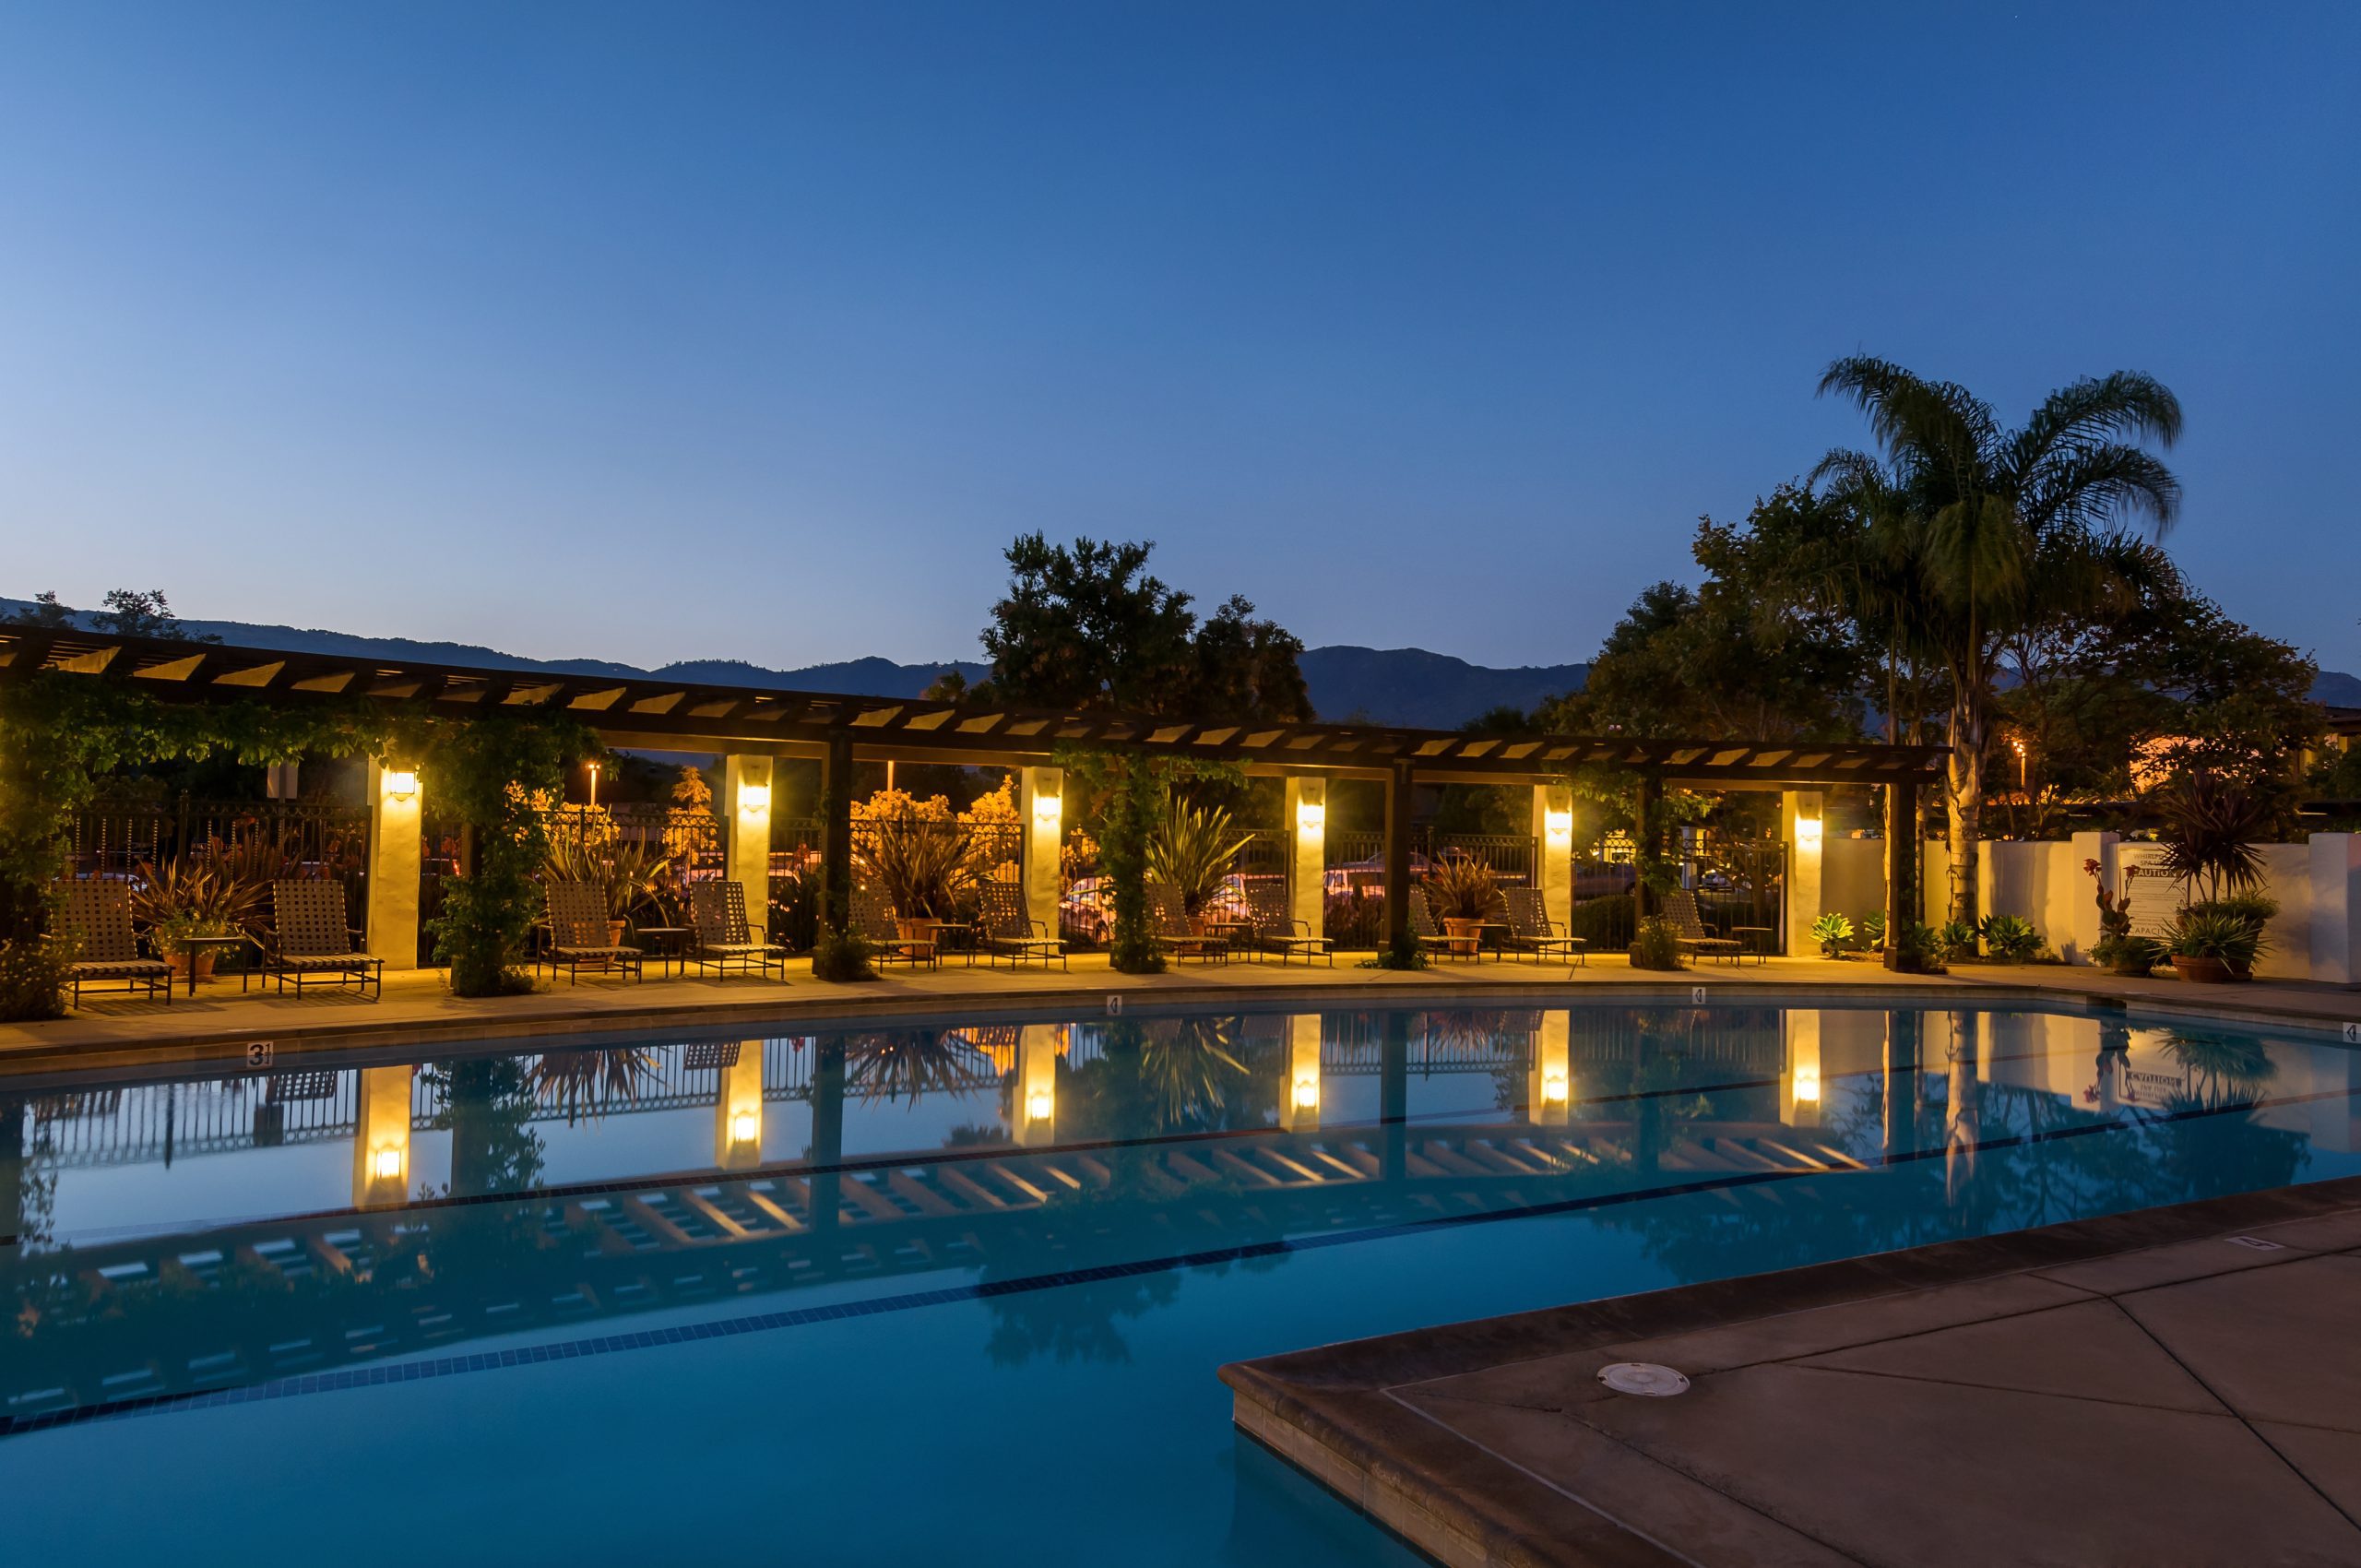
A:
x: 1997, y: 534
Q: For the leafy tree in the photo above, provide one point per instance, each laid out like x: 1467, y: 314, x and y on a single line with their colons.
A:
x: 131, y: 613
x: 45, y: 610
x: 2009, y: 534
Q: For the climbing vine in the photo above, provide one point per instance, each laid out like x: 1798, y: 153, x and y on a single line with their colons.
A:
x: 487, y: 772
x: 1129, y: 792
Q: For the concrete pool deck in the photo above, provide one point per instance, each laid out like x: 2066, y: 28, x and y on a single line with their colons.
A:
x: 2172, y: 1387
x: 221, y: 1021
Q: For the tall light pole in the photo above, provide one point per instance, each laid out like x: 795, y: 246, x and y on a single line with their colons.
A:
x: 2019, y: 742
x: 594, y: 783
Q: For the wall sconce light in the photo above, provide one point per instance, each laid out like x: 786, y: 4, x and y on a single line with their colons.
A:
x: 1553, y: 1087
x: 1038, y: 1105
x: 399, y: 784
x: 1807, y: 1085
x: 1807, y: 833
x: 753, y: 798
x: 745, y: 1127
x: 1311, y: 816
x: 385, y: 1165
x: 1558, y: 826
x: 1045, y: 808
x: 1307, y: 1094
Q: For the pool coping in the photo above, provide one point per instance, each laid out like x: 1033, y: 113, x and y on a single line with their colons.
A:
x: 1330, y: 1412
x: 2333, y: 1016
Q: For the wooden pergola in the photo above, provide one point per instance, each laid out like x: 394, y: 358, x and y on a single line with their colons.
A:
x: 651, y: 712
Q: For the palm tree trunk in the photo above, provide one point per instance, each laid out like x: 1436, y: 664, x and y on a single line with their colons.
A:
x: 1963, y: 799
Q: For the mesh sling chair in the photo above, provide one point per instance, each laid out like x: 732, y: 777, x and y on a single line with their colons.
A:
x: 1422, y: 928
x: 873, y: 923
x: 725, y: 938
x: 311, y: 943
x: 1165, y: 912
x: 1680, y: 907
x: 1531, y: 931
x: 1004, y: 930
x: 579, y: 935
x: 98, y: 914
x: 1279, y: 932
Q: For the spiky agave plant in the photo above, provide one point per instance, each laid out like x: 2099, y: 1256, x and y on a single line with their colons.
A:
x: 927, y: 867
x: 1191, y: 851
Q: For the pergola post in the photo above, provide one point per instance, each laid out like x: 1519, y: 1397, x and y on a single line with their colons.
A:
x: 836, y: 834
x: 1306, y: 815
x: 394, y: 848
x: 381, y: 1136
x: 1300, y: 1102
x: 746, y: 820
x: 1397, y: 855
x: 1799, y: 821
x: 1033, y: 1120
x: 1550, y: 1090
x: 1645, y: 845
x: 1799, y: 1097
x: 738, y: 1110
x: 1553, y: 848
x: 1041, y: 806
x: 1900, y: 866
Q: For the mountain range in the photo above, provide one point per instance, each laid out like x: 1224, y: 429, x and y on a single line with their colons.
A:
x: 1395, y: 685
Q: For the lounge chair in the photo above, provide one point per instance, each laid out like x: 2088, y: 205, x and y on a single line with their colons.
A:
x: 1280, y: 932
x: 1164, y: 908
x: 1004, y: 930
x: 1422, y: 928
x: 1680, y: 907
x: 873, y: 922
x: 1532, y: 931
x: 98, y: 914
x: 311, y: 940
x: 580, y: 933
x: 724, y: 937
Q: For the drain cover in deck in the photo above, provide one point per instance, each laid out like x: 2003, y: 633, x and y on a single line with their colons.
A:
x: 1643, y: 1378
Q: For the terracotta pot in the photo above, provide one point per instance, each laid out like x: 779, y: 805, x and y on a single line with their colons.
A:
x: 919, y: 930
x: 614, y: 933
x: 2129, y: 971
x: 2203, y: 972
x: 179, y: 964
x: 1454, y: 926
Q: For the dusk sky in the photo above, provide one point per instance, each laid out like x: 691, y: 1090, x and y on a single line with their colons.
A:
x: 653, y: 332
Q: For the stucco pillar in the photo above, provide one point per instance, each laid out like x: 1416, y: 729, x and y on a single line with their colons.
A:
x: 737, y: 1110
x: 1300, y: 1102
x: 1550, y: 1093
x: 393, y: 843
x: 1033, y: 1120
x: 1553, y: 848
x: 2336, y: 908
x: 381, y: 1137
x: 2081, y: 933
x: 1399, y: 788
x: 746, y: 818
x: 1306, y: 815
x: 1800, y: 823
x: 1040, y: 803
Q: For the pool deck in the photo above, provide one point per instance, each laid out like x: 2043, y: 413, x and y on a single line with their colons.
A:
x: 2173, y: 1386
x: 221, y: 1021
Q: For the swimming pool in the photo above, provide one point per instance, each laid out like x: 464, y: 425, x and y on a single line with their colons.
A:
x: 898, y: 1294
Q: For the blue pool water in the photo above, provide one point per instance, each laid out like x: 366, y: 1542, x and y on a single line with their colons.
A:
x: 906, y: 1295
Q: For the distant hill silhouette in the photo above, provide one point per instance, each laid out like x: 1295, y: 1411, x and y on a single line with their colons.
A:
x: 1396, y: 686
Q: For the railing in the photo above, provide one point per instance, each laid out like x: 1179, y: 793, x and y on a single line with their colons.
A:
x: 316, y: 837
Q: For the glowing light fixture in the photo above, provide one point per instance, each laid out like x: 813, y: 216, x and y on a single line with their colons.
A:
x: 753, y: 797
x: 1038, y: 1105
x: 745, y: 1127
x: 1311, y: 815
x: 399, y: 784
x: 385, y: 1165
x: 1808, y: 1085
x: 1306, y: 1093
x: 1045, y: 808
x: 1808, y: 833
x: 1553, y: 1087
x: 1558, y: 826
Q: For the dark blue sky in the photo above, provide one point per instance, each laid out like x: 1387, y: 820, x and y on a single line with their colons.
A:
x: 657, y: 331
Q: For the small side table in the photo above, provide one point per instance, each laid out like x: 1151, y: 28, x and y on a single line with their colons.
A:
x: 673, y: 948
x: 193, y: 945
x: 1750, y: 948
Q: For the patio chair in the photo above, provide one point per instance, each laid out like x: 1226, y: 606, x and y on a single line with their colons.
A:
x: 581, y: 933
x: 1680, y: 907
x: 311, y: 941
x: 1004, y: 930
x: 873, y: 922
x: 1279, y: 932
x: 725, y: 938
x: 1430, y: 939
x: 98, y: 912
x: 1532, y: 931
x: 1165, y: 910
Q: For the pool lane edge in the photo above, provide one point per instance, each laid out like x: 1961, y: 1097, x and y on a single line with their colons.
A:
x: 1330, y: 1411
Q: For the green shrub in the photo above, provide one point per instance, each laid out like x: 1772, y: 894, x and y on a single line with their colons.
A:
x: 1832, y: 930
x: 2011, y: 939
x: 841, y: 956
x: 2234, y: 939
x: 1956, y: 940
x: 1869, y: 931
x: 1403, y: 955
x: 1918, y: 949
x: 2127, y: 954
x: 32, y: 981
x: 1657, y: 946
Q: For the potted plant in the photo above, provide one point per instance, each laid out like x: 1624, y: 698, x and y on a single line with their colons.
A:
x: 2211, y: 946
x: 1464, y: 894
x: 213, y: 892
x: 927, y: 867
x: 1191, y: 852
x: 2131, y: 957
x: 2211, y: 824
x: 626, y: 874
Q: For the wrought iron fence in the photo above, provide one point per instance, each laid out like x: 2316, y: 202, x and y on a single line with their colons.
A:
x: 115, y: 835
x: 1740, y: 883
